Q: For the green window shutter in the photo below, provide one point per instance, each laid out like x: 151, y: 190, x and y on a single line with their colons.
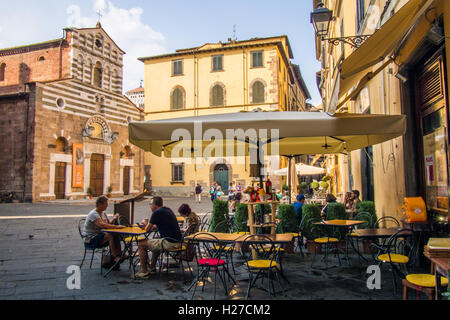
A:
x: 217, y: 96
x: 177, y: 99
x: 258, y: 92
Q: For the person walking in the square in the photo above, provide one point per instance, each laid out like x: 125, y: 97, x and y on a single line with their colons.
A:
x: 198, y: 193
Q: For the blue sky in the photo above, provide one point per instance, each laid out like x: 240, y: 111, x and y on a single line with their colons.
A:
x: 148, y: 27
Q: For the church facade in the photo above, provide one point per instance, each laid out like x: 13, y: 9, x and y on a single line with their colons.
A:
x: 64, y: 130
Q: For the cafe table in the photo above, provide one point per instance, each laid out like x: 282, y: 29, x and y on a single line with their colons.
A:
x: 134, y: 232
x: 439, y: 266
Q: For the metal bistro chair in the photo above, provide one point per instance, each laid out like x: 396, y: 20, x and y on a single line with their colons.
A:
x: 397, y: 254
x: 387, y: 219
x: 204, y: 223
x: 266, y: 264
x: 208, y: 255
x: 228, y: 250
x: 88, y: 247
x: 297, y: 236
x: 325, y: 240
x: 352, y: 236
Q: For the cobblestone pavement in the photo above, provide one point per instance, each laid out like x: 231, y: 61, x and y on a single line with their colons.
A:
x: 36, y: 268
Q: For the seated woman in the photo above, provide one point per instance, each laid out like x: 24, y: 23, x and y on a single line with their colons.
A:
x: 192, y: 221
x: 329, y: 199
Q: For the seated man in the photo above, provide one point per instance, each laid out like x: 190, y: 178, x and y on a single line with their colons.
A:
x: 298, y: 207
x: 165, y: 220
x: 94, y: 236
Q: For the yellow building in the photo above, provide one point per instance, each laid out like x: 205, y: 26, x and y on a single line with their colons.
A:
x: 399, y: 69
x: 218, y: 78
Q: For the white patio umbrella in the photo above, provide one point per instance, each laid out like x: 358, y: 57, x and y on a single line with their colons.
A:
x: 292, y: 133
x: 302, y: 170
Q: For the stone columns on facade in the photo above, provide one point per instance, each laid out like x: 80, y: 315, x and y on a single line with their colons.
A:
x: 107, y: 173
x: 86, y: 171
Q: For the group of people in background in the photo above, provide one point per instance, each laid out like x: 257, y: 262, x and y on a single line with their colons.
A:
x: 351, y: 202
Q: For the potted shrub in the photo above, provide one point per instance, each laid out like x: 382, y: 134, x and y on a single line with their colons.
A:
x: 310, y: 215
x: 218, y: 215
x: 288, y: 223
x: 241, y: 218
x: 89, y: 192
x: 240, y: 223
x: 302, y: 187
x: 367, y: 212
x: 108, y: 192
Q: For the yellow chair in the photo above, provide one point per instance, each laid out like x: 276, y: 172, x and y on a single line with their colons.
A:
x: 397, y: 253
x: 326, y: 243
x: 422, y: 283
x: 265, y: 265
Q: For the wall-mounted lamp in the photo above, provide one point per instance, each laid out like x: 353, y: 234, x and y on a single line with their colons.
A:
x: 321, y: 19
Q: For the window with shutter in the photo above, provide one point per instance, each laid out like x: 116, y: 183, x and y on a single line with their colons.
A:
x: 177, y: 173
x: 258, y: 92
x: 2, y: 71
x: 217, y: 64
x: 257, y: 59
x: 217, y: 96
x: 177, y: 99
x: 177, y: 67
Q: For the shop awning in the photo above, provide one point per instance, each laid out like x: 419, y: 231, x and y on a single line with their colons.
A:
x: 359, y: 65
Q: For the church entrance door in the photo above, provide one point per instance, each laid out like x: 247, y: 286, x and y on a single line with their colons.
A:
x: 60, y: 179
x: 97, y: 174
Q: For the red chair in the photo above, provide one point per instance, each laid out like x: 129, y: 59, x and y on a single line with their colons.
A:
x: 209, y: 253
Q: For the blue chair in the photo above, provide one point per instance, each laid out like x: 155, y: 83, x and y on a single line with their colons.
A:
x: 88, y: 247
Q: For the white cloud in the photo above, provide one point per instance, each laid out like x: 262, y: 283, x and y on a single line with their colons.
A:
x: 127, y: 30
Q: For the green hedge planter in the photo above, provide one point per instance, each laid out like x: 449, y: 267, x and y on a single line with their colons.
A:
x: 337, y: 211
x: 241, y: 218
x: 288, y: 217
x: 310, y: 215
x: 367, y: 212
x: 219, y: 214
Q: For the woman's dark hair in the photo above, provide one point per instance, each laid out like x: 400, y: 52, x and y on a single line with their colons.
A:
x: 330, y: 198
x: 184, y: 209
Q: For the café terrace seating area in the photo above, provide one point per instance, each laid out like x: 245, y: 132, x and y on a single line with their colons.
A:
x: 261, y: 253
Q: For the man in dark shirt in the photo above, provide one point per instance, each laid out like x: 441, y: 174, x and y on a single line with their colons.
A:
x: 165, y: 220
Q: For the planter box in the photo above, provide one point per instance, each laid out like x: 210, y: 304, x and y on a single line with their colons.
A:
x: 368, y: 248
x: 289, y: 247
x: 310, y: 247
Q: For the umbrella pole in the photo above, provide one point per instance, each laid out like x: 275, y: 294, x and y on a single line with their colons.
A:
x: 289, y: 178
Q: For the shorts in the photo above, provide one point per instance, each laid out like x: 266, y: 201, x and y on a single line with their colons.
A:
x: 157, y: 244
x: 97, y: 241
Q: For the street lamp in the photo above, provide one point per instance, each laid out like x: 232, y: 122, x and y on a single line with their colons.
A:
x: 321, y: 19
